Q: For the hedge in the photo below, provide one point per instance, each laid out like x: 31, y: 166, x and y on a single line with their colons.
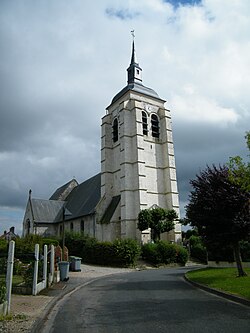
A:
x: 121, y: 253
x: 163, y: 252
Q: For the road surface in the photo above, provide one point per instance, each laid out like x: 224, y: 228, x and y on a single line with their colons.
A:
x: 147, y: 301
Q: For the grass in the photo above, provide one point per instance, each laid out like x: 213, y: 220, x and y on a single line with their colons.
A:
x: 224, y: 279
x: 17, y: 279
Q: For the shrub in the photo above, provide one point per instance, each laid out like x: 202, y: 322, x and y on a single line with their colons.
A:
x: 150, y: 253
x: 3, y: 265
x: 126, y: 251
x: 199, y: 252
x: 163, y: 252
x: 50, y: 241
x: 245, y: 251
x: 117, y: 253
x: 3, y: 246
x: 182, y: 255
x: 2, y: 292
x: 167, y: 252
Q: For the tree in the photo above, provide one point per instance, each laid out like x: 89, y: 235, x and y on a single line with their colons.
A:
x: 220, y: 210
x: 239, y: 171
x: 158, y: 219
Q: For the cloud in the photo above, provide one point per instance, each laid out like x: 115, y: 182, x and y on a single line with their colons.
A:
x: 123, y: 14
x: 62, y: 62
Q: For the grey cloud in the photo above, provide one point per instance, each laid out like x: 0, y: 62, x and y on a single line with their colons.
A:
x: 123, y: 14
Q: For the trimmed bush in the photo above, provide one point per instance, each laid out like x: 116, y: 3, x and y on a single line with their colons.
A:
x: 199, y: 252
x: 163, y: 252
x: 182, y: 255
x: 120, y: 253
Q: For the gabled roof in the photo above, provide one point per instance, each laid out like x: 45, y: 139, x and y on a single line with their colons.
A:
x: 47, y: 211
x: 80, y: 201
x: 62, y: 192
x: 83, y: 199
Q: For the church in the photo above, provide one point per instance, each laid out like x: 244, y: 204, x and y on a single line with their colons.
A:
x: 137, y: 172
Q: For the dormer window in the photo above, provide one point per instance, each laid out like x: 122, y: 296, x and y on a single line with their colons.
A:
x: 155, y: 126
x: 144, y: 123
x: 115, y: 130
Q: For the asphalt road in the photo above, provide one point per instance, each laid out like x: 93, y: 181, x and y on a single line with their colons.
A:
x: 147, y: 301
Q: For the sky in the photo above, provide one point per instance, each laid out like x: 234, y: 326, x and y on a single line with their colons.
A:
x: 62, y: 62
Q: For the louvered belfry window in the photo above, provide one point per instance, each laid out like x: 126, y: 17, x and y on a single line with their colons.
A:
x: 144, y: 123
x: 115, y: 130
x: 155, y: 126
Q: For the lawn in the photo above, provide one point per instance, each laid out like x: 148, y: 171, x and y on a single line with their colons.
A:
x: 17, y: 279
x: 223, y: 279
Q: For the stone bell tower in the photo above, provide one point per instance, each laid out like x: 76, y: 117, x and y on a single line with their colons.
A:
x: 137, y: 160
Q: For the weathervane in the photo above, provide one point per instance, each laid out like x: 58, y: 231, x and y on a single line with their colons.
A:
x: 133, y: 34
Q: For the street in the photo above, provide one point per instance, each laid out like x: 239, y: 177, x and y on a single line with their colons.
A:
x: 146, y: 301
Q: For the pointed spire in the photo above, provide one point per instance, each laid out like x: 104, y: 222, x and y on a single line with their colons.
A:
x: 134, y: 70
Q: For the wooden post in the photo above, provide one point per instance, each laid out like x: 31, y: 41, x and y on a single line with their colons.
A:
x: 34, y: 289
x: 10, y: 264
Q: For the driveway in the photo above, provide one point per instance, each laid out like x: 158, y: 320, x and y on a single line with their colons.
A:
x: 146, y: 301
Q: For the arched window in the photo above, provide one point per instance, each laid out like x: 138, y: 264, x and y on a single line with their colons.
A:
x: 115, y: 130
x: 155, y: 126
x: 144, y: 123
x: 71, y: 226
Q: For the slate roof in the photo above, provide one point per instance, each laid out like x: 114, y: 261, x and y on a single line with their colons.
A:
x: 111, y: 209
x: 137, y: 87
x: 57, y: 195
x: 83, y: 199
x: 47, y: 211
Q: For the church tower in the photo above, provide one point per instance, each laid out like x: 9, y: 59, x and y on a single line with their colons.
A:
x: 137, y: 160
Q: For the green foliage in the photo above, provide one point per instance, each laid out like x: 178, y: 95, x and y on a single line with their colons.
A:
x: 3, y: 265
x: 127, y: 251
x: 2, y: 292
x: 245, y: 251
x: 199, y: 252
x: 163, y: 252
x: 118, y: 253
x: 28, y: 275
x: 239, y: 171
x: 158, y: 219
x: 3, y: 246
x: 144, y: 219
x: 219, y: 210
x: 182, y: 255
x: 50, y: 241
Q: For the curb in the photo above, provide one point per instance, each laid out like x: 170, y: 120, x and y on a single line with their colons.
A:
x: 217, y: 292
x: 39, y: 323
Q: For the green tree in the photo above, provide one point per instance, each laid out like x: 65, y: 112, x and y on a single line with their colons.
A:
x: 158, y: 219
x: 239, y: 171
x: 219, y: 209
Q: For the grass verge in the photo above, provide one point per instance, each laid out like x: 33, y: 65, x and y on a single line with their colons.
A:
x: 17, y: 279
x: 224, y: 279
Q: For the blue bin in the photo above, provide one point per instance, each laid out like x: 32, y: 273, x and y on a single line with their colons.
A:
x: 64, y: 270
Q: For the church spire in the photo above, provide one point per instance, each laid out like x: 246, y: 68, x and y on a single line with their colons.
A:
x: 134, y: 70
